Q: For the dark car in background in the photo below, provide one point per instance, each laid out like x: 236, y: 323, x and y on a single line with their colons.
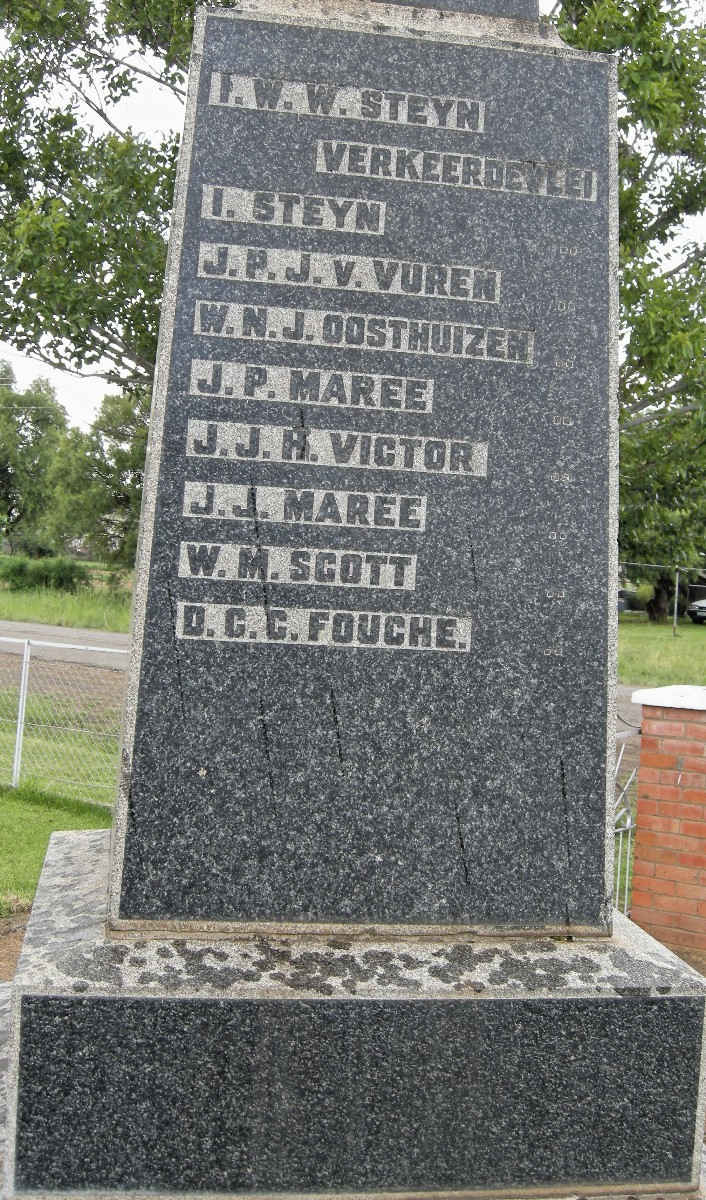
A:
x: 627, y: 600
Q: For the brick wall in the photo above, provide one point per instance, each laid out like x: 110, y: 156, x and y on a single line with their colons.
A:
x: 669, y: 871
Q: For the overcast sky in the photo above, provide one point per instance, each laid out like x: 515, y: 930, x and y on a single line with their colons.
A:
x: 152, y: 111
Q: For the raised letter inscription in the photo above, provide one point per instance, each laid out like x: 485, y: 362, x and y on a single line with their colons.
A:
x: 345, y: 214
x: 300, y: 385
x: 336, y: 448
x: 391, y: 276
x: 305, y: 506
x: 286, y: 564
x: 393, y: 107
x: 442, y: 339
x: 324, y: 627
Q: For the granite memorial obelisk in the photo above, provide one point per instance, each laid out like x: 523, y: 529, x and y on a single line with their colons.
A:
x: 365, y: 547
x: 359, y: 934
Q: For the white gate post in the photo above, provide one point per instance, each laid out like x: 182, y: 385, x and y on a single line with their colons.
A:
x: 22, y: 704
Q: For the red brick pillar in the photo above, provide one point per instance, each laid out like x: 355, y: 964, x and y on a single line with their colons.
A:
x: 669, y: 871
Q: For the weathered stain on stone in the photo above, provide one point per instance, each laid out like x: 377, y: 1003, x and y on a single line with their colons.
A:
x: 461, y: 959
x: 549, y: 973
x: 98, y: 964
x: 410, y: 962
x: 199, y: 970
x: 65, y: 950
x: 393, y: 978
x: 271, y: 955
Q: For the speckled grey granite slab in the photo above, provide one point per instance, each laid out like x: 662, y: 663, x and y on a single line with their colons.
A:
x: 5, y: 1000
x: 362, y: 1066
x: 526, y: 10
x: 309, y: 741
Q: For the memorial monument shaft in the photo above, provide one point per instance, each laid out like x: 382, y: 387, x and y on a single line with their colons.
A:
x: 380, y: 464
x: 359, y: 937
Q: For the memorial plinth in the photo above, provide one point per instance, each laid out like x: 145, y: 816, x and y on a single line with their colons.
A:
x: 358, y: 937
x: 303, y: 1065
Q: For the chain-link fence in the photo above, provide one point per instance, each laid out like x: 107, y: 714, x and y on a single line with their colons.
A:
x: 60, y: 713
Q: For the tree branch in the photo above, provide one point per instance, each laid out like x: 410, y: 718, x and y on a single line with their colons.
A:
x: 96, y: 108
x: 699, y: 255
x: 662, y: 415
x: 123, y: 62
x: 139, y: 371
x: 684, y: 385
x: 650, y: 166
x: 658, y: 226
x: 120, y: 348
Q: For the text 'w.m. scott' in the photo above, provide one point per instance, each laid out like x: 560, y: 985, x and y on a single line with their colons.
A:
x: 371, y: 671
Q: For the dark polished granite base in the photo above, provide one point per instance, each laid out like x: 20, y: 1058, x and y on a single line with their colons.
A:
x: 310, y: 1066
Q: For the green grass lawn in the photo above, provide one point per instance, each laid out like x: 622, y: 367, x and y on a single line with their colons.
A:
x: 85, y: 609
x: 650, y: 655
x: 27, y: 818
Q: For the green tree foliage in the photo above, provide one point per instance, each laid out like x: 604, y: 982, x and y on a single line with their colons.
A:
x: 662, y: 75
x: 120, y: 439
x: 662, y: 172
x: 663, y: 505
x: 84, y: 209
x: 32, y: 425
x: 668, y: 461
x: 96, y: 481
x: 79, y: 498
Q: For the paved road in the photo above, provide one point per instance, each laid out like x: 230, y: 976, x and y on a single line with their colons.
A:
x: 629, y: 714
x: 101, y: 643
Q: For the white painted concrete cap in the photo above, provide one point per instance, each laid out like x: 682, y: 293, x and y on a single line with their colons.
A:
x: 678, y: 695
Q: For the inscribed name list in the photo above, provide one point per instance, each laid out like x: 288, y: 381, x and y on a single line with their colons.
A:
x: 378, y: 476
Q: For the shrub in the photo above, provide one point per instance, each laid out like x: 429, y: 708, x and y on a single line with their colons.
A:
x: 64, y: 574
x: 32, y: 546
x: 14, y: 571
x: 59, y: 574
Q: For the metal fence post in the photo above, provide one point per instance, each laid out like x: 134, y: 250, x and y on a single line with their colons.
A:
x: 624, y: 826
x: 21, y: 706
x: 676, y: 602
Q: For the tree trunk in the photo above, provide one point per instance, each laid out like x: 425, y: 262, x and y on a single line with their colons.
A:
x: 658, y: 608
